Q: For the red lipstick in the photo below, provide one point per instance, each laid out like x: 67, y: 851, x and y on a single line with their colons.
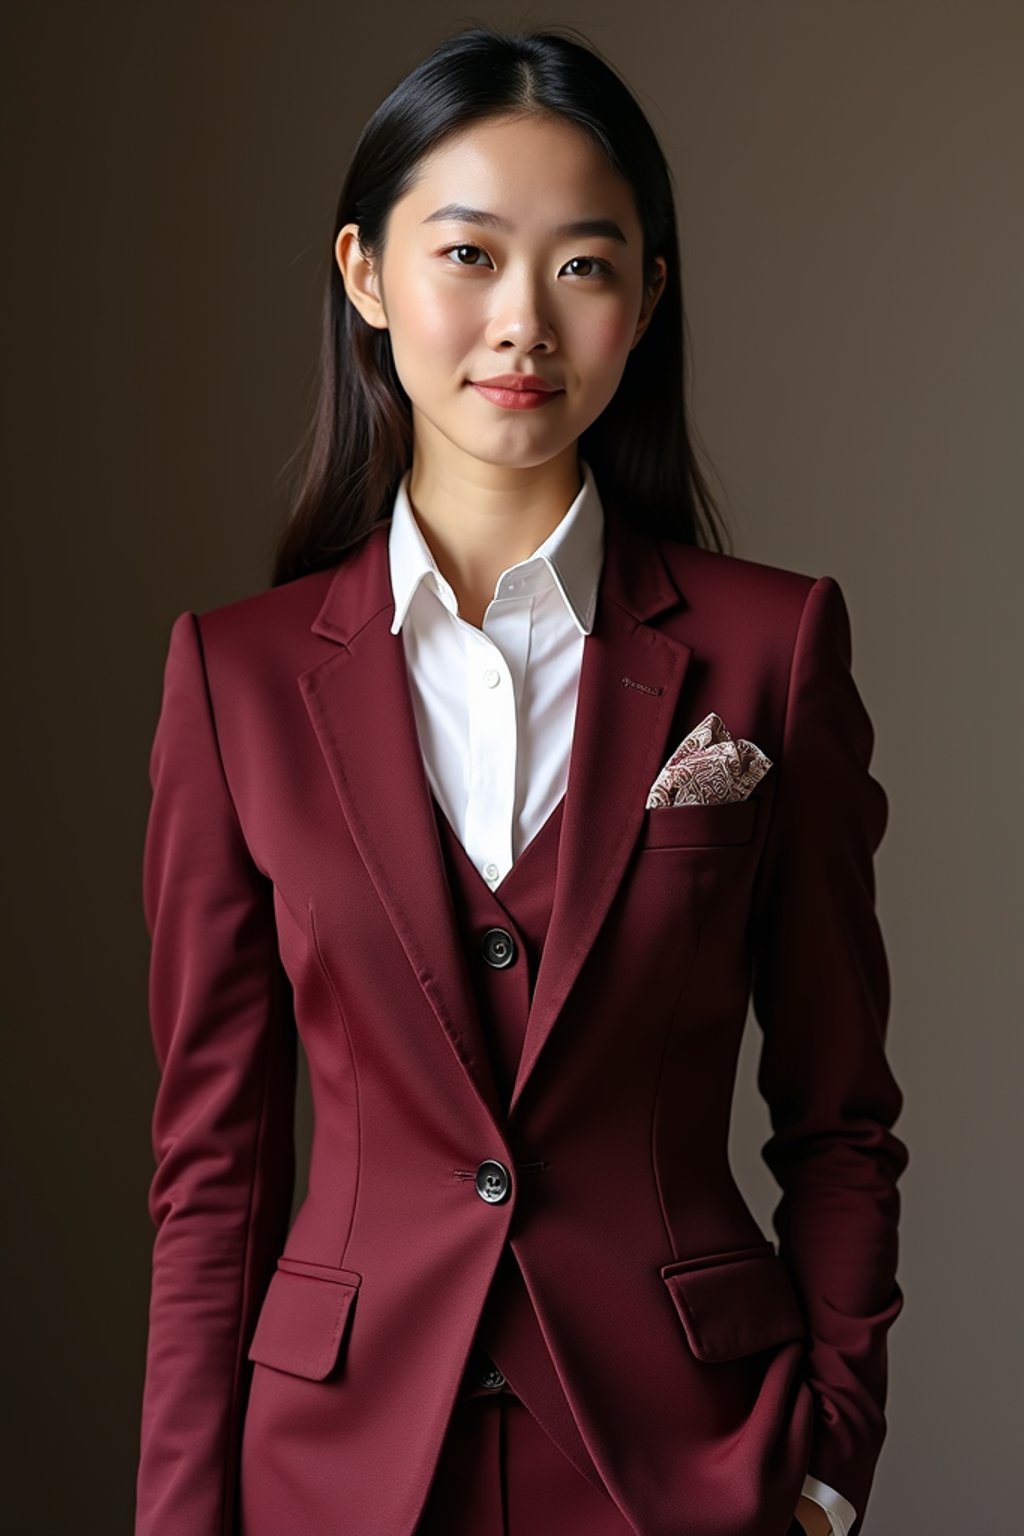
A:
x: 517, y: 391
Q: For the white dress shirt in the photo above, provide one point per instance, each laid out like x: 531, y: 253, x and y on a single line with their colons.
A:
x: 495, y: 707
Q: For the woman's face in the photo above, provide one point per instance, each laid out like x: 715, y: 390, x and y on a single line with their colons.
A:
x: 466, y: 297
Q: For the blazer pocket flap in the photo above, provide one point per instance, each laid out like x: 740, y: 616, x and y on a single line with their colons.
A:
x: 303, y: 1317
x: 735, y: 1304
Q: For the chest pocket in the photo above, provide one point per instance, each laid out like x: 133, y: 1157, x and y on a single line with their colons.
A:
x: 702, y: 826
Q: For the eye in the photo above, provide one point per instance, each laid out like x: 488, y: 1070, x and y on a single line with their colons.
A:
x: 457, y: 249
x: 598, y: 261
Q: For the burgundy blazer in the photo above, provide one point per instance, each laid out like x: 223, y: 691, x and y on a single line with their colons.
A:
x: 293, y: 886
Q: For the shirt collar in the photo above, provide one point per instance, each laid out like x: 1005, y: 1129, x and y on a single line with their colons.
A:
x: 570, y: 557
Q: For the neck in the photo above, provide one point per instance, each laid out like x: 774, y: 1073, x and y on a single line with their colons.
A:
x: 478, y: 519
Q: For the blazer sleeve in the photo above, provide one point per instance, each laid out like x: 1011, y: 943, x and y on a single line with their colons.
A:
x: 821, y: 997
x: 222, y: 1126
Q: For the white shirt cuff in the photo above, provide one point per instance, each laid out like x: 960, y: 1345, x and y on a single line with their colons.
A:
x: 840, y: 1511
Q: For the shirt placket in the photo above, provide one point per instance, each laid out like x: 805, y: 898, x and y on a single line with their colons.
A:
x: 495, y: 657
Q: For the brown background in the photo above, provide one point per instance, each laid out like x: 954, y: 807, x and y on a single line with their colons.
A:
x: 853, y: 252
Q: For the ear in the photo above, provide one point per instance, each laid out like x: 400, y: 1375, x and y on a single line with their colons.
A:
x: 651, y: 296
x: 361, y: 279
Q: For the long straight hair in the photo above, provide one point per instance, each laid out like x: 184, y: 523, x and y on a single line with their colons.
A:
x: 360, y: 439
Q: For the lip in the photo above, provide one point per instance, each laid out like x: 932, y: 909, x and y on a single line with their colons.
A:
x: 517, y: 391
x: 527, y: 381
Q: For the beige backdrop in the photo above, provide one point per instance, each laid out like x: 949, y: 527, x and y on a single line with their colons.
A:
x: 853, y: 251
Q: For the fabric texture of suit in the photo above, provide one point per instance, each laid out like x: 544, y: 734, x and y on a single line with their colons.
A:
x: 294, y: 885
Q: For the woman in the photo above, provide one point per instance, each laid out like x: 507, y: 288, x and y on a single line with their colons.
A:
x: 505, y: 796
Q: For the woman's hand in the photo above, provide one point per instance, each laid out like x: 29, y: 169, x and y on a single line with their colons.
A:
x: 813, y: 1518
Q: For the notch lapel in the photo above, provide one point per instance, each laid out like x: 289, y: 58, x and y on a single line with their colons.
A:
x: 360, y: 706
x: 630, y: 682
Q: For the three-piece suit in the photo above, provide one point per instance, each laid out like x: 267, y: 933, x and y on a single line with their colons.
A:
x: 521, y: 1094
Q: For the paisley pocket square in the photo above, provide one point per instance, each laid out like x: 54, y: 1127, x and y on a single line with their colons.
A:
x: 709, y: 768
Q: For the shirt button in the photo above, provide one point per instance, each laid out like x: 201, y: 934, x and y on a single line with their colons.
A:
x: 491, y: 871
x: 492, y: 677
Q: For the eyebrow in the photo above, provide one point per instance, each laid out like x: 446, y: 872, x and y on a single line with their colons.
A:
x: 459, y: 213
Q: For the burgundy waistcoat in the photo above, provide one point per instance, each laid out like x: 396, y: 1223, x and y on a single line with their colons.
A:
x: 503, y: 976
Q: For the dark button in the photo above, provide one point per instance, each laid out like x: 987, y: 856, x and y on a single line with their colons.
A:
x: 499, y: 947
x: 491, y: 1377
x: 492, y: 1181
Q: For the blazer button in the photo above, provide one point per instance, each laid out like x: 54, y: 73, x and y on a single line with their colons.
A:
x: 492, y: 1181
x: 499, y: 947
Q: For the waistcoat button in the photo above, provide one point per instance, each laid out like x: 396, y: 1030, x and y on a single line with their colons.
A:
x: 491, y: 1377
x: 499, y: 947
x: 492, y: 1181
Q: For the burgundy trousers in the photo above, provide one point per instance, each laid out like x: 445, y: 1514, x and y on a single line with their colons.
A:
x: 499, y: 1473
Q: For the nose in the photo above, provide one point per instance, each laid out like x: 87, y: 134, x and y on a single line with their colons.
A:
x: 520, y: 317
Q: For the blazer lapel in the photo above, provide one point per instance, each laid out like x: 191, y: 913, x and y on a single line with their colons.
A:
x: 360, y: 705
x: 629, y: 688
